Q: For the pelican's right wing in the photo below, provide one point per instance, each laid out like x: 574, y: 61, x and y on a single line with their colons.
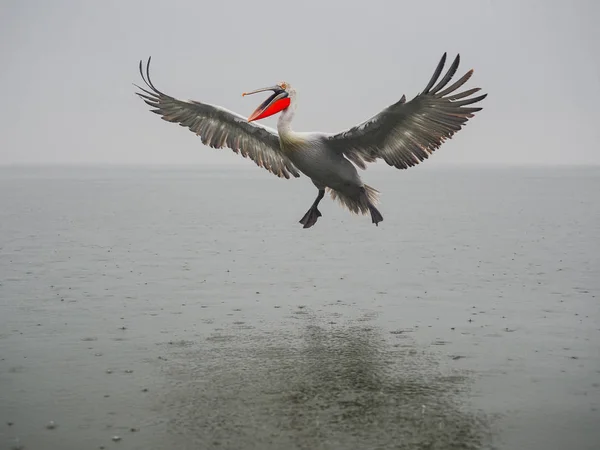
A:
x: 218, y: 128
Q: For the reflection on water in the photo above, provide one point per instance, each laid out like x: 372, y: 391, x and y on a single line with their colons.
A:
x: 334, y: 387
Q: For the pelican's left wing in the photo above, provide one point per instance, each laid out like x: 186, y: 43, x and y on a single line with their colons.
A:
x: 406, y: 133
x: 218, y: 128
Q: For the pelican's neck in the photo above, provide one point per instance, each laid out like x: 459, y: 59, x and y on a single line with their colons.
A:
x: 284, y: 123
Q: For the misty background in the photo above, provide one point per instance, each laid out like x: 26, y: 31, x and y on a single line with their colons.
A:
x: 67, y: 69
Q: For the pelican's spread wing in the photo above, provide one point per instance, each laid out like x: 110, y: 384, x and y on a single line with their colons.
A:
x: 404, y: 134
x: 218, y: 128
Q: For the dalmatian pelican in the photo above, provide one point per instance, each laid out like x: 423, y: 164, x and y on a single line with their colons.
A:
x: 402, y: 135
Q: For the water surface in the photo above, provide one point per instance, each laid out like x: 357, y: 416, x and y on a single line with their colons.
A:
x: 187, y: 308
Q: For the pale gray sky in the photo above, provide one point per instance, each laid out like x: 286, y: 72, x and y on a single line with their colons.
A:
x: 66, y: 70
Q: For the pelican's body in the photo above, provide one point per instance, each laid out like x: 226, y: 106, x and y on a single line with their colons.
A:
x: 327, y: 169
x: 403, y: 135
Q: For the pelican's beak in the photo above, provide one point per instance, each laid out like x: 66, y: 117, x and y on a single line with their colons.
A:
x: 274, y: 104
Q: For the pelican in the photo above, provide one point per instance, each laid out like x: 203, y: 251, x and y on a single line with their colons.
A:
x: 402, y: 135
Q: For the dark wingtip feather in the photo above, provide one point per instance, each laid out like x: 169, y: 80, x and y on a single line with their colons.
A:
x: 141, y: 68
x: 469, y: 101
x: 463, y: 94
x: 456, y: 84
x: 436, y: 74
x: 451, y: 71
x: 146, y: 76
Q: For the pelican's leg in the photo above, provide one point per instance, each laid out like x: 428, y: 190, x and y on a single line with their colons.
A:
x: 311, y: 216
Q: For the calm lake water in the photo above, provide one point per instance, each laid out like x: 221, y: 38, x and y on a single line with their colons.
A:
x: 155, y: 308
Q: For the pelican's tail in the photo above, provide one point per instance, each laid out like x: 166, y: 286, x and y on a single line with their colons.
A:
x: 362, y: 203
